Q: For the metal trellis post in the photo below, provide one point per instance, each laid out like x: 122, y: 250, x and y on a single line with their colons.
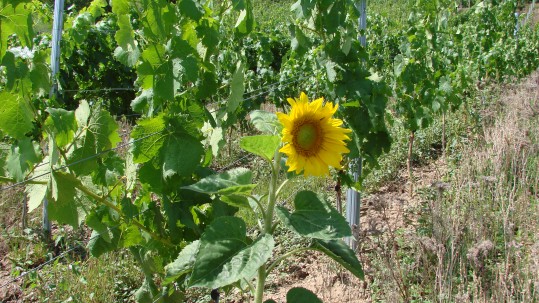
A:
x: 58, y: 22
x: 353, y: 197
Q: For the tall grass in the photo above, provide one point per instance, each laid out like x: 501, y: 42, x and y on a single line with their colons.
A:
x: 474, y: 237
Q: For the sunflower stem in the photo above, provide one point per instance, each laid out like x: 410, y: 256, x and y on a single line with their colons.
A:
x: 268, y: 222
x: 259, y: 295
x: 272, y: 195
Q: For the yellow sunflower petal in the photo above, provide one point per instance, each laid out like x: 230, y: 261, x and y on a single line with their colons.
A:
x: 314, y: 140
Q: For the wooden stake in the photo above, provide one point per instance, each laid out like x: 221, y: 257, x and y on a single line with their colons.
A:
x: 409, y: 162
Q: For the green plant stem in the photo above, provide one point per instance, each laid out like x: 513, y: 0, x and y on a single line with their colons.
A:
x: 259, y: 295
x: 260, y: 206
x: 268, y: 222
x: 272, y: 196
x: 104, y: 201
x: 281, y: 187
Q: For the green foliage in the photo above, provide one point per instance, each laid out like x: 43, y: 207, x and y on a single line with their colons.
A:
x: 21, y: 158
x: 314, y: 218
x: 185, y: 68
x: 15, y: 18
x: 342, y: 254
x: 228, y: 182
x: 298, y: 294
x: 16, y: 115
x: 262, y: 145
x: 225, y: 256
x: 266, y: 122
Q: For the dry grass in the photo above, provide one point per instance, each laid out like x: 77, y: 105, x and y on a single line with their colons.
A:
x: 475, y: 236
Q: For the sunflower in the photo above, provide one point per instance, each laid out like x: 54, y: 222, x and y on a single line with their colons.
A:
x: 313, y: 139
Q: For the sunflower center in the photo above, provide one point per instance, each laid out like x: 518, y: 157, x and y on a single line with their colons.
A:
x: 307, y: 138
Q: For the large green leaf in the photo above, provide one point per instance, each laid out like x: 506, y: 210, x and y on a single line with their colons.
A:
x: 127, y: 51
x: 152, y: 60
x: 63, y: 124
x: 216, y: 140
x: 303, y: 8
x: 120, y: 7
x: 148, y: 143
x: 266, y: 122
x: 37, y: 192
x: 191, y: 9
x: 15, y: 18
x: 225, y: 257
x: 183, y: 264
x: 97, y: 132
x: 16, y: 115
x: 261, y: 145
x: 340, y: 252
x: 40, y: 74
x: 314, y: 217
x: 182, y: 155
x: 23, y: 155
x: 98, y: 245
x: 237, y: 88
x: 143, y: 102
x: 246, y: 22
x: 300, y: 294
x: 82, y: 160
x: 158, y: 19
x: 63, y: 206
x: 214, y: 183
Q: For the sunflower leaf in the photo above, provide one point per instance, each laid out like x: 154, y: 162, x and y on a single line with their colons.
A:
x: 342, y: 254
x: 300, y: 294
x: 261, y: 145
x: 230, y: 179
x: 225, y: 256
x: 314, y: 218
x: 266, y: 122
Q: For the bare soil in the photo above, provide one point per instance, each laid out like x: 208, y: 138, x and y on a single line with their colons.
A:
x: 389, y: 209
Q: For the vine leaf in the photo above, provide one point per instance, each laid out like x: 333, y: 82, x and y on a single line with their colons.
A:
x: 23, y: 155
x: 127, y: 51
x: 40, y: 75
x: 191, y: 9
x: 16, y: 18
x: 148, y: 146
x: 64, y: 208
x: 16, y: 116
x: 120, y: 7
x: 237, y: 88
x: 246, y: 22
x: 37, y: 192
x: 314, y: 217
x: 97, y: 132
x: 224, y: 256
x: 191, y: 152
x: 63, y: 124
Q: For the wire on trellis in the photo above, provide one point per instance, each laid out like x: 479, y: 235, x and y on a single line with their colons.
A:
x: 79, y: 161
x: 260, y: 89
x: 38, y: 268
x: 264, y: 92
x: 305, y: 183
x: 231, y: 164
x: 107, y: 89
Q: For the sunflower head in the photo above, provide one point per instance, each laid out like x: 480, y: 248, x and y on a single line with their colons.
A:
x: 314, y: 140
